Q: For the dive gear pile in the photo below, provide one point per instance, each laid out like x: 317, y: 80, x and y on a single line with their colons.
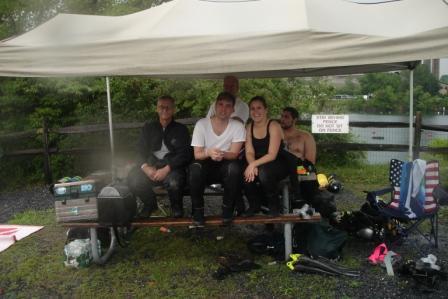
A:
x: 425, y: 272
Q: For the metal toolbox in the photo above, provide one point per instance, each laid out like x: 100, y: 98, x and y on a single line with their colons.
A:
x: 73, y: 190
x: 76, y: 201
x: 72, y: 210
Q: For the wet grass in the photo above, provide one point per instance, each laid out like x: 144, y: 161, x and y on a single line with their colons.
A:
x: 180, y: 264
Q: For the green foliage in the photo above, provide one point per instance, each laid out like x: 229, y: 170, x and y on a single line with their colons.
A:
x: 439, y: 142
x: 350, y: 87
x: 444, y: 79
x: 336, y: 158
x: 385, y: 91
x: 20, y: 172
x: 389, y: 93
x: 424, y: 78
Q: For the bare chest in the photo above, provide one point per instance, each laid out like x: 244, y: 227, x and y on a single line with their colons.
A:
x: 295, y: 144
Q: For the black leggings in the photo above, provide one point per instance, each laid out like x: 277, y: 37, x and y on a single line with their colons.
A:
x: 263, y: 190
x: 303, y: 190
x: 227, y: 172
x: 141, y: 186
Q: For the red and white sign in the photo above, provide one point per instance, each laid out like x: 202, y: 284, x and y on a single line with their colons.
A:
x: 9, y: 234
x: 332, y: 123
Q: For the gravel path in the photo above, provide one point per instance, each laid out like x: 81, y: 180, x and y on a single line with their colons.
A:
x: 37, y: 198
x: 373, y: 280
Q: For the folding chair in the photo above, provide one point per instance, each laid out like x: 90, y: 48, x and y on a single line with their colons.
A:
x: 412, y: 199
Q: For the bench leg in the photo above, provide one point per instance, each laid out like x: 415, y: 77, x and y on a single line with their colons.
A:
x: 97, y: 258
x: 287, y: 228
x: 288, y: 239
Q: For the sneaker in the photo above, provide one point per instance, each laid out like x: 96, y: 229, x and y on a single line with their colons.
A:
x: 305, y: 211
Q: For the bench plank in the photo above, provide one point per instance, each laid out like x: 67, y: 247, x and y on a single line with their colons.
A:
x: 209, y: 221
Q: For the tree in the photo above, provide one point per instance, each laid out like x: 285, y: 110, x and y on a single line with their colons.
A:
x: 350, y: 87
x: 390, y: 91
x: 424, y: 78
x: 444, y: 79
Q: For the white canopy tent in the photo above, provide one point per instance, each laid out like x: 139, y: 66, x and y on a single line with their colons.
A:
x: 247, y: 38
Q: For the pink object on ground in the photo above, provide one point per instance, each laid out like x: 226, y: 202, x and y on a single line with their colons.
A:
x: 378, y: 254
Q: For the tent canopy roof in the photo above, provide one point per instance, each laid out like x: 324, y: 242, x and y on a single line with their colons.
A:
x: 251, y: 38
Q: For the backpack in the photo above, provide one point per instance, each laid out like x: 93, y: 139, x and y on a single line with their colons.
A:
x: 318, y: 239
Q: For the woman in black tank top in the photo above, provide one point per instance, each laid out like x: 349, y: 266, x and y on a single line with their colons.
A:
x: 264, y: 140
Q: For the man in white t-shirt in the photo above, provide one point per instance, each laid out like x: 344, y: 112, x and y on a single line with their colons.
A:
x: 217, y: 142
x: 241, y: 111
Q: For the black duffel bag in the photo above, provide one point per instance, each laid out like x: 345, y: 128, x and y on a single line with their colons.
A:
x: 116, y: 205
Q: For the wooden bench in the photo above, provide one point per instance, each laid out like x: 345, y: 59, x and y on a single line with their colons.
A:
x: 286, y: 219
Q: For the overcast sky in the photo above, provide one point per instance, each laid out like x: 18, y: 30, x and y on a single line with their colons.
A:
x: 443, y: 62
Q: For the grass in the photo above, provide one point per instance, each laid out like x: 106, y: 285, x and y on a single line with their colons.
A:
x: 179, y: 264
x: 156, y: 265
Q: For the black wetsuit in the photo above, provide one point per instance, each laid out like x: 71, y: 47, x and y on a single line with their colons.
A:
x: 264, y: 188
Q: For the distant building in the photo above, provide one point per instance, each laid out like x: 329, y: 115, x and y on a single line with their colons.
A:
x: 434, y: 66
x: 343, y: 97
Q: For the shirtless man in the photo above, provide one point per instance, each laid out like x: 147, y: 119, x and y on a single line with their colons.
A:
x: 301, y: 147
x: 299, y: 142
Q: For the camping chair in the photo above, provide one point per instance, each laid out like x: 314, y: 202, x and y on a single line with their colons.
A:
x: 412, y: 200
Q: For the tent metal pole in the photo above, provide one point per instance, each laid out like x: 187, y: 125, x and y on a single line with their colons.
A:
x: 111, y: 131
x: 411, y: 112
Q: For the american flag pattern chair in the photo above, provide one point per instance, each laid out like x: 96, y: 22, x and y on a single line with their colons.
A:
x: 412, y: 199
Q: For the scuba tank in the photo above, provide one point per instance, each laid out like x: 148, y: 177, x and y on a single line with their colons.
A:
x: 334, y: 185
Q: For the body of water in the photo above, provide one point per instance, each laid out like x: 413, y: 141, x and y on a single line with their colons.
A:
x: 393, y: 135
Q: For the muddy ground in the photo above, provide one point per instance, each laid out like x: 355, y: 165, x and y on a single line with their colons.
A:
x: 374, y: 282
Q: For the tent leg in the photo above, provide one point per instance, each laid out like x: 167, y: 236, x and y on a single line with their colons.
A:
x: 111, y: 131
x: 411, y: 113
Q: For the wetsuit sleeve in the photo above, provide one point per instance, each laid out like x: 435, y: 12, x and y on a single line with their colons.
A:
x: 183, y: 151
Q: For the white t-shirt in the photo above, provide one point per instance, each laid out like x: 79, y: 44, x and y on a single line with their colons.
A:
x: 241, y: 110
x: 204, y: 136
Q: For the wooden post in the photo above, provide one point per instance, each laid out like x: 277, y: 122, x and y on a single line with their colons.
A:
x: 417, y: 135
x: 45, y: 141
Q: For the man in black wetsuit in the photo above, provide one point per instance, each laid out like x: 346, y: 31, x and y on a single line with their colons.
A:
x: 164, y: 153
